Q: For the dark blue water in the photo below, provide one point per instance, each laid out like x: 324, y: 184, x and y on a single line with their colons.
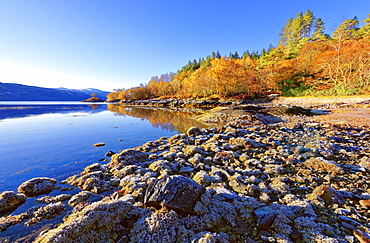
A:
x: 57, y: 139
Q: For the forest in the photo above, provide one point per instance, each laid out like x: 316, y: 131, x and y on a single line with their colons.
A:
x: 306, y: 61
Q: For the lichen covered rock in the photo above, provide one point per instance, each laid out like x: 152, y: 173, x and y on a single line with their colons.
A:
x: 37, y: 186
x: 78, y: 198
x: 103, y: 220
x: 9, y: 201
x: 323, y: 165
x: 49, y: 211
x: 59, y: 198
x: 127, y: 157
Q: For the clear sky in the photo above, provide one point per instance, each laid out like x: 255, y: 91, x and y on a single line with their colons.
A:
x: 110, y: 44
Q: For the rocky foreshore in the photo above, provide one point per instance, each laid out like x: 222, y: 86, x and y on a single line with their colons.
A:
x: 312, y: 102
x: 184, y: 103
x: 260, y: 177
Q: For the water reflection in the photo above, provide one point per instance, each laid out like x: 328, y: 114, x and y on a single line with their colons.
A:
x: 168, y: 120
x: 15, y: 110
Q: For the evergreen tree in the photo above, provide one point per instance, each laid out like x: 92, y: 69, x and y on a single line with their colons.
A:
x: 299, y: 30
x: 255, y: 55
x: 218, y: 55
x: 318, y: 31
x: 236, y: 55
x: 296, y: 34
x: 246, y: 54
x: 308, y: 20
x: 263, y: 51
x: 285, y: 32
x: 207, y: 62
x: 365, y: 29
x: 346, y: 30
x: 271, y: 47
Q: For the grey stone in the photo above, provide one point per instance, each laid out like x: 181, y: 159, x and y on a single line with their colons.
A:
x: 176, y: 192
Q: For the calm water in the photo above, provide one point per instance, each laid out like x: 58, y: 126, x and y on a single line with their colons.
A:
x: 56, y: 139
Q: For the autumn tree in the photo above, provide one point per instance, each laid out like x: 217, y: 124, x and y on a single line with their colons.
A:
x: 346, y: 68
x: 200, y: 84
x: 231, y: 77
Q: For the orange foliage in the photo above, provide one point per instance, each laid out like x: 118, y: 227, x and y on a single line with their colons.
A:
x: 345, y: 63
x: 231, y: 77
x: 319, y: 65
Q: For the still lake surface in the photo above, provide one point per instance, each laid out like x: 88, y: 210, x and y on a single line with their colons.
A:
x: 56, y: 139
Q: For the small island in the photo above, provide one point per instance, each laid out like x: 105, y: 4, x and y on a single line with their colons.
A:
x: 93, y: 98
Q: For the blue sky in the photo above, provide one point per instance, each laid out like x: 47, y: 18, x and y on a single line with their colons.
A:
x: 111, y: 44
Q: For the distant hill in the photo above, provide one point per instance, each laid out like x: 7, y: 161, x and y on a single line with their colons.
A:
x: 19, y: 92
x: 99, y: 93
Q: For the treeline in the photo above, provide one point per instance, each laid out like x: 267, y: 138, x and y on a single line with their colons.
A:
x: 306, y: 61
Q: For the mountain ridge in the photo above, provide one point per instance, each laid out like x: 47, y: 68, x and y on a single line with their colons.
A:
x: 99, y: 93
x: 20, y: 92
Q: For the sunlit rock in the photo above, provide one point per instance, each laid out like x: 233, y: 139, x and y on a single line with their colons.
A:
x: 37, y: 186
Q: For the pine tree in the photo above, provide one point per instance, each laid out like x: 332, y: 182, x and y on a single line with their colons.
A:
x: 296, y: 32
x: 365, y: 29
x: 308, y: 20
x: 318, y: 32
x: 236, y: 55
x: 246, y: 54
x: 346, y: 30
x: 218, y: 55
x: 285, y: 32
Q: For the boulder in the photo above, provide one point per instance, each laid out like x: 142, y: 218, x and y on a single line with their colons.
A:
x: 37, y: 186
x: 193, y: 131
x: 9, y: 201
x: 92, y: 168
x: 127, y: 157
x: 101, y: 221
x: 361, y: 236
x: 265, y: 217
x: 365, y: 203
x: 176, y: 192
x: 329, y: 194
x: 323, y: 165
x: 109, y: 154
x: 78, y: 198
x: 365, y: 163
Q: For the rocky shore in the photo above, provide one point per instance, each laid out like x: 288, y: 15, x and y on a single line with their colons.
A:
x: 261, y: 176
x: 311, y: 102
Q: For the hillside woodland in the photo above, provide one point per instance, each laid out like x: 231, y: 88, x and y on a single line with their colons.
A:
x: 306, y: 61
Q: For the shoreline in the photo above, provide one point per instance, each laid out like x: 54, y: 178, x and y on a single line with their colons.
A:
x: 305, y: 101
x: 287, y: 181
